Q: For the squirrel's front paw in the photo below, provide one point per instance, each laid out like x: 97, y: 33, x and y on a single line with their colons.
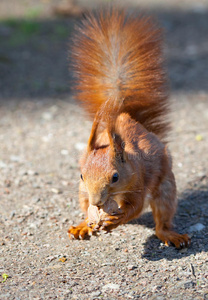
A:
x: 82, y: 231
x: 110, y: 222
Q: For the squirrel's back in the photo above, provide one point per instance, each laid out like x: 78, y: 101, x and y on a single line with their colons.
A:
x: 118, y: 60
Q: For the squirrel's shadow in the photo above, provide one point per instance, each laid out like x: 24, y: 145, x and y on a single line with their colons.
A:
x: 192, y: 210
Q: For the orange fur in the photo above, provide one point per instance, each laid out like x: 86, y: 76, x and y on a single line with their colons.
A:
x: 121, y: 82
x: 118, y: 63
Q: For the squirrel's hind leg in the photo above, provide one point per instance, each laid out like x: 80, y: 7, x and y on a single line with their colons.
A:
x: 164, y: 206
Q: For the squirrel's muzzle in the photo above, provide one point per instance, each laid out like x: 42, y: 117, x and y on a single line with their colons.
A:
x: 98, y: 199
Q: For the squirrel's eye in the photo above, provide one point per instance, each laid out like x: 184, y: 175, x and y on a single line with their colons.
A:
x: 81, y: 177
x: 115, y: 177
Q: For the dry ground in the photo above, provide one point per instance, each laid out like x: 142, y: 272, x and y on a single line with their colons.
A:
x: 42, y: 133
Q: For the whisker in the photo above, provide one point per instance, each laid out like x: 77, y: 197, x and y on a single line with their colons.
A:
x: 124, y: 192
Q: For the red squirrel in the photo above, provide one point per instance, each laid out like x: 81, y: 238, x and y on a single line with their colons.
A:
x: 120, y: 80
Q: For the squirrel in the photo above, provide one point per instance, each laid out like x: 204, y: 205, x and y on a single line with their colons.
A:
x: 120, y: 80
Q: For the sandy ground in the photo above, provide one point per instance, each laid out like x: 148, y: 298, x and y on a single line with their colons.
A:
x: 42, y: 134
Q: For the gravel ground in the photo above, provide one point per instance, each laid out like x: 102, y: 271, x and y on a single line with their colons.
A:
x: 42, y: 134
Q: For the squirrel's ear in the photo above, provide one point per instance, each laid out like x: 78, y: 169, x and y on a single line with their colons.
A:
x: 93, y: 136
x: 117, y: 145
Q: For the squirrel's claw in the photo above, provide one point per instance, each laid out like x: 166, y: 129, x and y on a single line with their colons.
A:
x: 82, y: 231
x: 170, y: 237
x: 73, y: 232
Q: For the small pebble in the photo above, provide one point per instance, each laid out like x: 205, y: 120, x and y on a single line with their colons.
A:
x: 3, y: 165
x: 47, y: 116
x: 80, y: 146
x: 196, y: 227
x: 64, y: 152
x: 50, y: 258
x: 32, y: 173
x: 111, y: 286
x: 95, y: 294
x: 12, y: 214
x: 56, y: 191
x: 131, y: 267
x: 15, y: 158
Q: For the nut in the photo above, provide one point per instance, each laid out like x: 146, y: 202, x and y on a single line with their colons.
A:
x: 97, y: 214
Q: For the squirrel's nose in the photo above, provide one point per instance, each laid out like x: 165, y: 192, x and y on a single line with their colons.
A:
x: 97, y: 199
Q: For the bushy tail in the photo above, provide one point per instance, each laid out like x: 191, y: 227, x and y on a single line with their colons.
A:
x: 118, y: 58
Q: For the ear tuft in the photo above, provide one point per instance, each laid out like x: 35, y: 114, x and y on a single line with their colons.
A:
x: 118, y: 147
x: 93, y: 136
x: 118, y: 143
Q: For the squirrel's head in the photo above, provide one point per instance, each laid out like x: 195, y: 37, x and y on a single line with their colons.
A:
x: 105, y: 170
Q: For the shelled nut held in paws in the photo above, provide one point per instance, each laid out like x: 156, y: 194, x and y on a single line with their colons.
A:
x: 96, y: 214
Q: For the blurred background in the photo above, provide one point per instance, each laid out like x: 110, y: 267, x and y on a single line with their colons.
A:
x: 35, y: 35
